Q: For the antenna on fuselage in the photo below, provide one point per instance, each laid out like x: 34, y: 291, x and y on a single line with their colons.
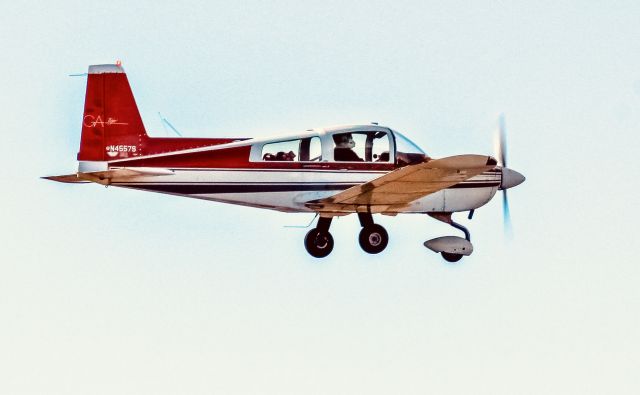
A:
x: 165, y: 123
x: 302, y: 226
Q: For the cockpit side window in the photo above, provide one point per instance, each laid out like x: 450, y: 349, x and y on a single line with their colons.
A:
x: 378, y: 144
x: 361, y: 147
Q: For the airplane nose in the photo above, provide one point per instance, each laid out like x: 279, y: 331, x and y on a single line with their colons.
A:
x: 510, y: 178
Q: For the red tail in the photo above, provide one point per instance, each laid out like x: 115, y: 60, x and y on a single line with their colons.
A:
x: 111, y: 125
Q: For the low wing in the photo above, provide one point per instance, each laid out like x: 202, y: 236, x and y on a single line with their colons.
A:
x: 400, y: 187
x: 105, y: 177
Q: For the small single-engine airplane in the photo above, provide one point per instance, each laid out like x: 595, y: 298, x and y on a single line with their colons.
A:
x: 336, y: 171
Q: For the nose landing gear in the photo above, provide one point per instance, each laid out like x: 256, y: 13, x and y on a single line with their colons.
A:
x: 452, y: 248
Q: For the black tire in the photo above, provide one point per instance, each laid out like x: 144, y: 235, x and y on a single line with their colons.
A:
x: 451, y: 257
x: 373, y: 239
x: 318, y: 244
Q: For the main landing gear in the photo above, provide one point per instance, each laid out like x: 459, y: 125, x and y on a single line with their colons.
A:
x: 318, y: 241
x: 373, y: 238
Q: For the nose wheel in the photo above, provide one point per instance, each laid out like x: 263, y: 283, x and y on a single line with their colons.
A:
x: 449, y: 257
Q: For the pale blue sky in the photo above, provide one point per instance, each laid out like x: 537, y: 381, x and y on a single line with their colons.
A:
x: 117, y: 291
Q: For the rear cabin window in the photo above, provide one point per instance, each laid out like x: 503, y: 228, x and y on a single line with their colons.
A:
x: 300, y: 150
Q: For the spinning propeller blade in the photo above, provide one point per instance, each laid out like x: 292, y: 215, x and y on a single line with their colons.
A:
x: 500, y: 146
x: 506, y: 215
x: 500, y: 143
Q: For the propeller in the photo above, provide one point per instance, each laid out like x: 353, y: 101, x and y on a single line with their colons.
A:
x: 500, y: 147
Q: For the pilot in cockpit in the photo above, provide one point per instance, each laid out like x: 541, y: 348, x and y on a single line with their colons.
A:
x: 343, y: 152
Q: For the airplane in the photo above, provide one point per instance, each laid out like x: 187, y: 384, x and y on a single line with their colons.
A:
x: 335, y: 171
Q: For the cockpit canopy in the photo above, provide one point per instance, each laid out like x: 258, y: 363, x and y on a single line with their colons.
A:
x: 347, y: 144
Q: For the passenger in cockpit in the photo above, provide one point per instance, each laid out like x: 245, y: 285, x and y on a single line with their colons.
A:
x: 343, y: 152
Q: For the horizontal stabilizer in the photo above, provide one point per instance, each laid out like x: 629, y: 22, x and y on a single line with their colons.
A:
x: 105, y: 177
x: 68, y: 178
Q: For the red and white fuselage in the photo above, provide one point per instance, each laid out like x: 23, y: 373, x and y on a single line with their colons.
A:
x: 235, y: 172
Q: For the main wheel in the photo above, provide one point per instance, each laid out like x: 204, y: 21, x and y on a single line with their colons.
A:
x: 449, y: 257
x: 318, y: 244
x: 373, y: 239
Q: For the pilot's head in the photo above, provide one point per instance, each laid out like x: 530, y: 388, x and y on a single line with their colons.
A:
x: 344, y: 140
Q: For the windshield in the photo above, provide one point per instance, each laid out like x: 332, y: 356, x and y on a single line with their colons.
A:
x: 406, y: 151
x: 403, y: 144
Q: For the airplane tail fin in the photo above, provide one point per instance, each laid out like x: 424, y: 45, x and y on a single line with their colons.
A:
x: 111, y: 124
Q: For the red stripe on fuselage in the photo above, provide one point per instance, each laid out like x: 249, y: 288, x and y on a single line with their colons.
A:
x: 163, y: 145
